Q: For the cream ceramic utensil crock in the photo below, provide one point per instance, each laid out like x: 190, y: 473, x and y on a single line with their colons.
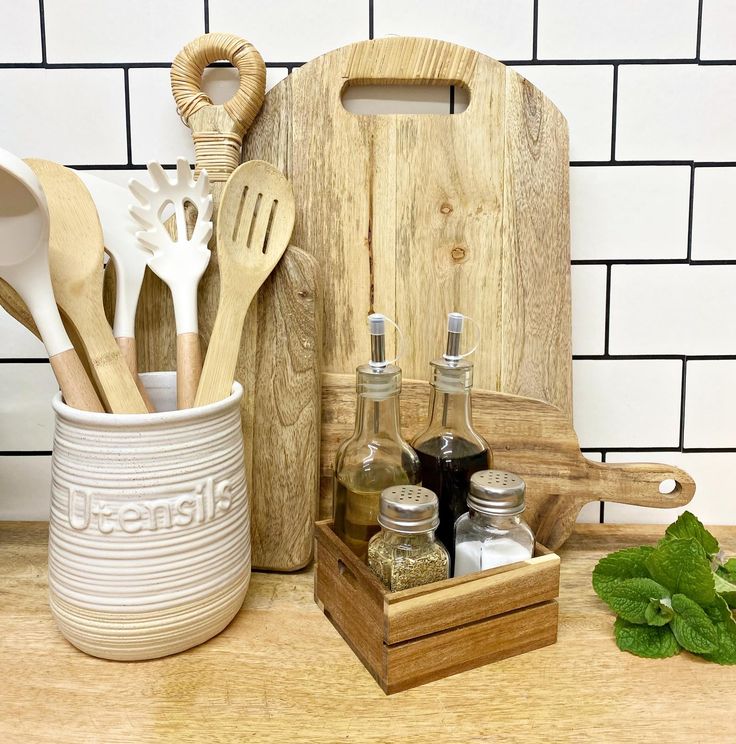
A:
x: 149, y: 533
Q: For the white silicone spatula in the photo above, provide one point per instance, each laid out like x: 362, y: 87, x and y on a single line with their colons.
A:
x: 129, y: 261
x: 179, y: 262
x: 24, y: 244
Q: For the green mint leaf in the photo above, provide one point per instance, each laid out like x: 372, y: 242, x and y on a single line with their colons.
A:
x: 725, y: 651
x: 688, y: 525
x: 718, y: 611
x: 680, y: 565
x: 725, y: 587
x: 648, y: 641
x: 730, y: 566
x: 659, y: 612
x: 630, y: 598
x: 623, y: 564
x: 692, y: 627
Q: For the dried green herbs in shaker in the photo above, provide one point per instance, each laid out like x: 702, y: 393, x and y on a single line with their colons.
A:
x: 405, y: 553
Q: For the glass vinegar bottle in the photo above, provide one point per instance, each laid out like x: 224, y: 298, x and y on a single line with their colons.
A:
x: 376, y: 456
x: 450, y: 450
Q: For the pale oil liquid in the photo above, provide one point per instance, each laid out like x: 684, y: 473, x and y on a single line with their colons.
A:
x: 357, y: 500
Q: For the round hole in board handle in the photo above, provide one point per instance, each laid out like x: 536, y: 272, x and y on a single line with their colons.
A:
x: 668, y: 486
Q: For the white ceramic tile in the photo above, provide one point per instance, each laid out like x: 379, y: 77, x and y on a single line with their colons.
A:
x: 397, y: 99
x: 718, y: 32
x: 25, y: 487
x: 16, y: 341
x: 71, y: 116
x: 119, y: 176
x: 292, y: 30
x: 21, y: 31
x: 584, y: 94
x: 591, y: 512
x: 714, y: 217
x: 113, y: 31
x: 588, y: 309
x: 714, y: 501
x: 624, y: 29
x: 627, y: 403
x: 673, y: 309
x: 629, y: 212
x: 498, y: 28
x: 157, y: 132
x: 676, y: 112
x: 26, y: 418
x: 710, y: 404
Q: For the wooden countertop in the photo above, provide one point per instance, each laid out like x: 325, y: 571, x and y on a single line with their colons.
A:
x: 280, y: 672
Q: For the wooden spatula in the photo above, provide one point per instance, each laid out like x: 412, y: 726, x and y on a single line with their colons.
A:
x: 75, y: 259
x: 255, y: 220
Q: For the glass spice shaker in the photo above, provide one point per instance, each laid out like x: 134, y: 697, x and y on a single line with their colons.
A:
x: 493, y: 532
x: 405, y: 553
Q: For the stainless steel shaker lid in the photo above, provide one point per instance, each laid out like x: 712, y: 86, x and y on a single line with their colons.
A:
x: 409, y: 509
x: 496, y: 492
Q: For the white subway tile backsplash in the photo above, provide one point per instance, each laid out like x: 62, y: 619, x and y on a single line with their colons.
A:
x: 21, y: 31
x: 16, y: 341
x: 718, y: 33
x: 584, y: 94
x: 673, y: 309
x: 710, y: 404
x: 588, y: 309
x: 714, y: 218
x: 500, y: 29
x: 292, y: 30
x: 25, y: 487
x: 629, y: 212
x: 71, y: 116
x: 25, y: 406
x: 676, y: 112
x: 623, y: 29
x: 627, y: 403
x: 714, y: 501
x: 591, y: 512
x: 113, y: 31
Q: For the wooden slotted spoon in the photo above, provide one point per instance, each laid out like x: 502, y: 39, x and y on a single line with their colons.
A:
x: 255, y: 220
x: 75, y: 259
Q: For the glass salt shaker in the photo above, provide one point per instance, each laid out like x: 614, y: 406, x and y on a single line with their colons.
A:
x: 492, y: 532
x: 405, y: 553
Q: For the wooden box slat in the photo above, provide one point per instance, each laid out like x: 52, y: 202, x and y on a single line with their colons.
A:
x: 410, y: 637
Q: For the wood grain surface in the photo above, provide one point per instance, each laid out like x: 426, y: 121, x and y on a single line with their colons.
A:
x: 415, y: 216
x: 528, y: 437
x: 281, y: 672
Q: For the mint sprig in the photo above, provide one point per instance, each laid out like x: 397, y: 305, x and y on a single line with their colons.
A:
x: 672, y: 597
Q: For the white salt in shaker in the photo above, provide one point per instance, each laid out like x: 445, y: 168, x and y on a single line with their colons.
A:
x: 492, y: 533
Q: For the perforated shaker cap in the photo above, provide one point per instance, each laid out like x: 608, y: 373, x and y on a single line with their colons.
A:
x: 408, y: 509
x: 496, y: 492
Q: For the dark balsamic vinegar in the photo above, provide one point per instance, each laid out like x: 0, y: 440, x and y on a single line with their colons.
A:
x: 447, y: 464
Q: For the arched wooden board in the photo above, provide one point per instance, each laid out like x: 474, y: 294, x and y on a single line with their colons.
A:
x: 418, y: 215
x: 528, y: 437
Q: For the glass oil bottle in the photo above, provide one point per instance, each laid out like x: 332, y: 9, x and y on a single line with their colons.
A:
x: 376, y: 456
x: 450, y: 450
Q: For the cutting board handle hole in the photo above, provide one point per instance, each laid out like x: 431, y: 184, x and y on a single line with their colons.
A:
x: 400, y: 98
x: 220, y: 83
x: 668, y: 486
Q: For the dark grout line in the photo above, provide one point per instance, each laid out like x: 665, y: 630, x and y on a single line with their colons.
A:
x: 652, y: 262
x: 535, y: 31
x: 25, y: 453
x: 700, y: 29
x: 370, y: 20
x: 683, y: 390
x: 602, y: 511
x: 655, y: 357
x: 128, y: 136
x: 42, y: 23
x: 607, y: 321
x: 691, y: 202
x: 206, y: 16
x: 24, y: 360
x: 614, y: 109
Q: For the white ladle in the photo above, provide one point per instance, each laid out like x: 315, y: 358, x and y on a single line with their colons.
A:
x: 24, y: 243
x: 129, y: 261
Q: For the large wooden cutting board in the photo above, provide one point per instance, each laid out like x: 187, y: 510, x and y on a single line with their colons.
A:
x: 419, y: 215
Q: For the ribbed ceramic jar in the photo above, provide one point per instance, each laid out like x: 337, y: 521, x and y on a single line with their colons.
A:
x: 149, y: 533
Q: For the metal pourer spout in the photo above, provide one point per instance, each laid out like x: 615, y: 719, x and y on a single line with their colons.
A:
x: 454, y: 332
x: 377, y: 330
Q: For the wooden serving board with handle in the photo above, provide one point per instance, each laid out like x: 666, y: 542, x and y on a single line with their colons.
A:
x: 278, y: 363
x: 418, y: 215
x: 529, y: 437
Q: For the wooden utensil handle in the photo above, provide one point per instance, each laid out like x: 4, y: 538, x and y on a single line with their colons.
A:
x: 410, y: 60
x: 188, y: 369
x: 75, y: 386
x: 128, y: 350
x: 638, y: 483
x: 218, y: 129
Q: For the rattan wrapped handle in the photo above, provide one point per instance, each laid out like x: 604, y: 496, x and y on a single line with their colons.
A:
x: 218, y: 129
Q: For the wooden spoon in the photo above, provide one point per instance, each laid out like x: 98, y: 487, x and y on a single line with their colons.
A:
x: 75, y: 258
x: 255, y: 220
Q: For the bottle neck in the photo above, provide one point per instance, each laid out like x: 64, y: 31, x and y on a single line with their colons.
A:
x: 378, y: 417
x: 450, y: 411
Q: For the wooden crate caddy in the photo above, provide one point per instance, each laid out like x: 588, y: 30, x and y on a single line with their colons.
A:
x: 414, y: 636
